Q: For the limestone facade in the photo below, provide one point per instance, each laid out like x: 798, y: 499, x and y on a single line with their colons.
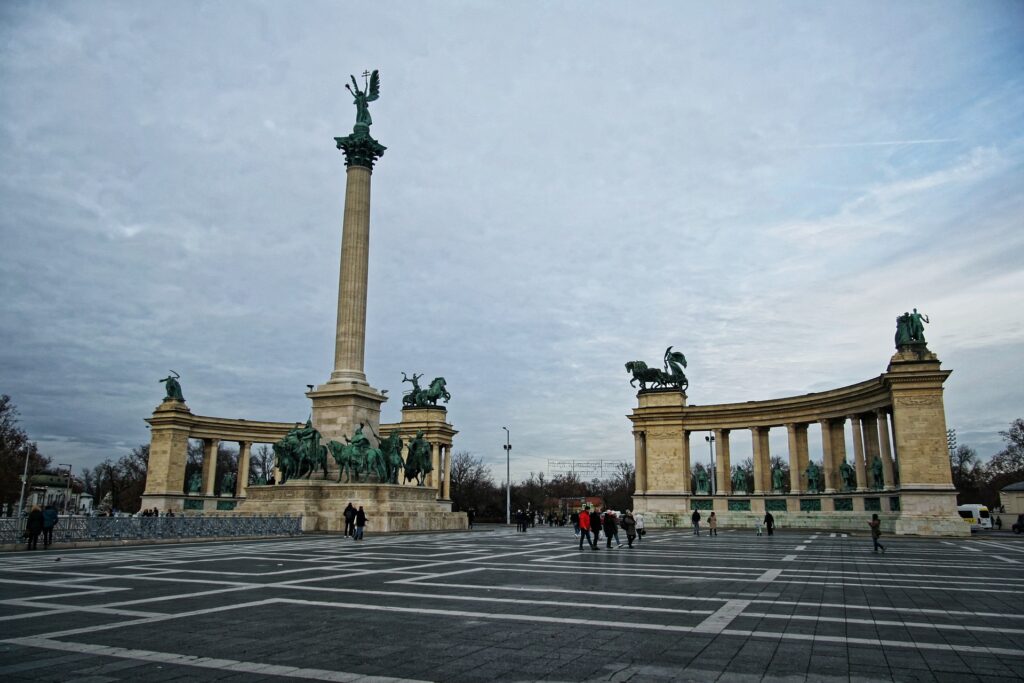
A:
x: 897, y: 418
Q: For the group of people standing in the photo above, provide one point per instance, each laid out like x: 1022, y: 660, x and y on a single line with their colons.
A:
x: 588, y: 524
x: 767, y: 523
x: 355, y: 522
x: 40, y: 521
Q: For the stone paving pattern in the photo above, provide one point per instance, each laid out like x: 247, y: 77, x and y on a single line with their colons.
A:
x: 497, y: 605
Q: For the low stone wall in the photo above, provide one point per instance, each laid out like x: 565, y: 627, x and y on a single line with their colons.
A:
x: 851, y: 522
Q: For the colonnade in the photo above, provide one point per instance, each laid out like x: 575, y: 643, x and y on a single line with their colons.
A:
x: 871, y: 439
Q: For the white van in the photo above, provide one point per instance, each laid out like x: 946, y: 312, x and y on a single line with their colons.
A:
x: 975, y: 515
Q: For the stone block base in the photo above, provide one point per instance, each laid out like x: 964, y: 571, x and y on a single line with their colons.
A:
x: 388, y: 507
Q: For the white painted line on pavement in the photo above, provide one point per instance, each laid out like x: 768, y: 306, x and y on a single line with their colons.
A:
x: 769, y: 575
x: 1006, y: 559
x: 802, y: 547
x: 206, y: 662
x: 717, y: 622
x: 789, y: 558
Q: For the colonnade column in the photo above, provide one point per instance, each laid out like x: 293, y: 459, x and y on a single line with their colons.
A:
x: 435, y: 462
x: 886, y: 448
x: 838, y: 451
x: 640, y: 456
x: 686, y: 462
x: 242, y: 478
x: 447, y: 472
x: 210, y: 466
x: 797, y: 434
x: 858, y: 450
x: 723, y: 473
x: 827, y: 463
x: 762, y: 460
x: 870, y: 422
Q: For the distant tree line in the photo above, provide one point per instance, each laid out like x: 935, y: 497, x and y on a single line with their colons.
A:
x: 473, y: 486
x: 980, y: 482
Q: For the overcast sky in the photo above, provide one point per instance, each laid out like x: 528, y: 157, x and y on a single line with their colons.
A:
x: 568, y: 186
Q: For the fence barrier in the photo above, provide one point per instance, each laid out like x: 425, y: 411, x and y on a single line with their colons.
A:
x: 79, y: 529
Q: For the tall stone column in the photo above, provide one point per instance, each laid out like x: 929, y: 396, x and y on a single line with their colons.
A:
x: 871, y: 447
x: 347, y: 400
x: 838, y: 451
x: 686, y: 462
x: 886, y: 449
x: 723, y: 473
x: 762, y: 460
x: 797, y: 434
x: 210, y: 466
x: 447, y: 495
x: 242, y: 480
x: 827, y: 462
x: 858, y: 451
x: 640, y: 458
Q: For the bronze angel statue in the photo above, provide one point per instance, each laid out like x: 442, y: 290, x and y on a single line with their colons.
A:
x: 363, y: 97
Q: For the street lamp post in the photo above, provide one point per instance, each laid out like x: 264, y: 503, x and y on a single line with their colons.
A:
x: 508, y: 476
x: 67, y: 492
x: 711, y: 450
x: 24, y: 481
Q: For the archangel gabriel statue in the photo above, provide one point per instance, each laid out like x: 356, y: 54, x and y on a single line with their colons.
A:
x: 362, y: 98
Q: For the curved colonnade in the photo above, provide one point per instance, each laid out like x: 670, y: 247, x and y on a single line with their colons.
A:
x: 897, y: 418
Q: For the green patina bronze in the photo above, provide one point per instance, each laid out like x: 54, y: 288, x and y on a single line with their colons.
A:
x: 872, y: 504
x: 910, y: 329
x: 775, y: 505
x: 173, y: 387
x: 195, y: 483
x: 703, y: 504
x: 848, y: 475
x: 894, y: 503
x: 701, y: 477
x: 843, y: 504
x: 671, y: 376
x: 359, y: 147
x: 739, y: 505
x: 813, y: 473
x: 810, y: 505
x: 226, y: 504
x: 877, y: 476
x: 300, y: 453
x: 739, y: 480
x: 419, y: 397
x: 227, y: 484
x: 778, y: 479
x: 391, y: 449
x: 418, y: 462
x: 193, y: 505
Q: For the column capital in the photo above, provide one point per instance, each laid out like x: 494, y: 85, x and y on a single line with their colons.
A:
x: 360, y: 149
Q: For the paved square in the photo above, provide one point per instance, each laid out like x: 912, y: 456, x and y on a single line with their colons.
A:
x: 501, y: 605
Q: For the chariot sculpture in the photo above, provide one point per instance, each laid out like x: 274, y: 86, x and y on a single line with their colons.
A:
x: 671, y: 376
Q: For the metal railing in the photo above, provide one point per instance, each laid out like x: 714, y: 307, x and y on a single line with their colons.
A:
x: 82, y: 529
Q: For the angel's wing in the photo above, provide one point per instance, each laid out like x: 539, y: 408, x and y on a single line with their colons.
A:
x: 374, y: 92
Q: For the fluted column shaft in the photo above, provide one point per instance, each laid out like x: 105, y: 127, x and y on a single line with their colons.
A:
x: 723, y: 473
x: 797, y: 456
x: 350, y: 335
x: 686, y: 462
x: 858, y: 451
x: 447, y: 473
x: 886, y: 448
x: 640, y: 455
x: 210, y: 466
x: 242, y: 478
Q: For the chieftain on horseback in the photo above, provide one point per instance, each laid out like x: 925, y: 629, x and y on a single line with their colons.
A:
x: 299, y: 453
x: 418, y: 397
x: 671, y: 376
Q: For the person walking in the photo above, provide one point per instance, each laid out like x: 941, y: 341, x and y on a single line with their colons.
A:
x: 470, y: 516
x: 350, y: 519
x: 360, y: 524
x: 639, y: 526
x: 629, y: 526
x: 50, y: 519
x: 769, y: 523
x: 758, y: 525
x: 33, y: 527
x: 695, y: 518
x: 595, y: 524
x: 712, y: 525
x: 876, y: 532
x: 611, y: 528
x: 576, y: 524
x: 584, y: 530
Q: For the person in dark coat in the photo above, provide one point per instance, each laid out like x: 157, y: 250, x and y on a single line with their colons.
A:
x: 360, y: 523
x: 695, y: 518
x: 350, y: 518
x: 769, y: 523
x: 611, y: 528
x: 595, y: 524
x: 50, y: 518
x: 629, y: 526
x: 34, y: 527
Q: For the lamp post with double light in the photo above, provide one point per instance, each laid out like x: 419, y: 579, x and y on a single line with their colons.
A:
x: 508, y: 476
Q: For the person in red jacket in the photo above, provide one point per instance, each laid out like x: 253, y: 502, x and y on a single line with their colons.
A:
x: 585, y: 529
